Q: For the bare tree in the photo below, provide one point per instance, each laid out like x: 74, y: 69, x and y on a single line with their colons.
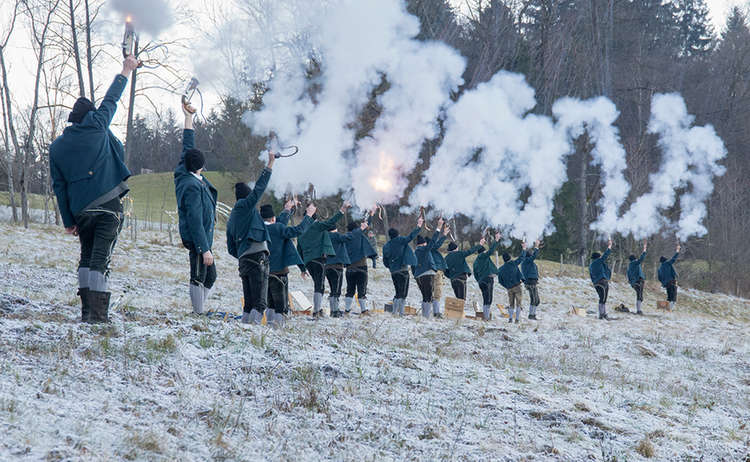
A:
x: 9, y: 128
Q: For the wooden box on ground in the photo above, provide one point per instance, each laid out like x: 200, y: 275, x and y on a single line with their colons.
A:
x: 662, y: 305
x: 298, y: 303
x: 577, y: 311
x: 410, y: 310
x: 376, y: 309
x: 503, y: 312
x: 454, y: 308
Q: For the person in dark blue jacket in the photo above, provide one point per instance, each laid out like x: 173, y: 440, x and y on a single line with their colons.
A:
x: 398, y: 257
x: 283, y: 254
x: 440, y: 267
x: 456, y: 268
x: 359, y: 249
x: 335, y: 269
x: 247, y: 240
x: 510, y: 277
x: 88, y: 176
x: 668, y: 277
x: 484, y: 272
x: 426, y: 268
x: 636, y: 277
x: 600, y: 275
x: 531, y: 276
x: 196, y: 210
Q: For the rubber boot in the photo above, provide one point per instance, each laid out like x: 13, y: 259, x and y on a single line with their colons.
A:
x: 206, y: 294
x: 317, y: 303
x: 334, y: 304
x: 402, y: 307
x: 197, y: 298
x: 510, y: 314
x: 671, y: 306
x: 426, y: 306
x: 638, y: 307
x: 518, y: 313
x: 83, y: 292
x: 396, y: 304
x: 436, y: 309
x: 99, y: 306
x: 348, y: 301
x: 603, y: 311
x: 532, y: 312
x: 363, y: 306
x: 486, y: 315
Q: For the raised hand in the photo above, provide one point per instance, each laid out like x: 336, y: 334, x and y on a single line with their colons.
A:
x: 345, y: 206
x: 420, y: 222
x: 446, y: 230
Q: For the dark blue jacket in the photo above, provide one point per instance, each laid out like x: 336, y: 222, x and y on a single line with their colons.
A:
x: 339, y: 242
x: 437, y: 257
x: 360, y: 247
x: 635, y: 271
x: 196, y: 202
x: 397, y: 252
x: 509, y: 275
x: 484, y: 267
x: 529, y: 269
x: 87, y: 161
x: 316, y: 241
x: 245, y: 224
x: 283, y: 253
x: 598, y: 268
x: 667, y: 272
x: 425, y: 261
x: 455, y: 262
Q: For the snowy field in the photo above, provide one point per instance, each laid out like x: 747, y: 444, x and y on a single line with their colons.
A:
x: 162, y: 384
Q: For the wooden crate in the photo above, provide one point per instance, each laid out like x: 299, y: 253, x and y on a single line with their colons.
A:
x: 298, y: 303
x: 410, y: 310
x: 454, y: 308
x: 388, y: 308
x: 662, y: 305
x: 577, y: 311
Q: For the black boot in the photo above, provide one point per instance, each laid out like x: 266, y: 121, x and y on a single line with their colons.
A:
x: 83, y: 292
x: 99, y: 306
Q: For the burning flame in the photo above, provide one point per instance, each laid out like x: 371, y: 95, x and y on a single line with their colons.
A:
x: 382, y: 181
x: 129, y: 18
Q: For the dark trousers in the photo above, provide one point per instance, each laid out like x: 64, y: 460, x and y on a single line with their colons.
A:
x: 356, y: 282
x: 335, y: 276
x: 638, y: 287
x: 531, y: 286
x: 602, y: 289
x: 672, y: 291
x: 317, y: 270
x: 97, y: 232
x: 254, y: 269
x: 401, y: 283
x: 485, y: 285
x: 459, y: 287
x: 200, y: 274
x: 425, y: 286
x: 278, y: 293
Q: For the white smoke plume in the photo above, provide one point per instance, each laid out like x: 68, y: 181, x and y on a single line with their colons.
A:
x: 597, y: 117
x: 690, y: 160
x: 150, y: 16
x: 492, y: 152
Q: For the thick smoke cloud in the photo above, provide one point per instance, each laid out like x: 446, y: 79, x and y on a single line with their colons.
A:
x: 150, y: 16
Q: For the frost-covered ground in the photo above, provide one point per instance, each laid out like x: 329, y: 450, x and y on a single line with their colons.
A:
x: 161, y: 384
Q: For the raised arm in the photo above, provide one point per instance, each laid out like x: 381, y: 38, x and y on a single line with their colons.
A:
x: 435, y: 241
x: 413, y: 235
x: 674, y: 258
x: 290, y: 232
x: 106, y: 111
x: 330, y: 223
x: 642, y: 257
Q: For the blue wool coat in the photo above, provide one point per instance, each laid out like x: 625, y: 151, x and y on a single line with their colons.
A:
x: 339, y: 242
x: 484, y: 267
x: 598, y: 268
x: 87, y: 160
x: 456, y: 264
x: 316, y: 241
x: 509, y: 275
x: 424, y: 254
x: 245, y: 224
x: 397, y: 253
x: 635, y: 271
x: 360, y: 246
x: 282, y: 251
x: 667, y: 272
x: 196, y: 202
x: 437, y: 257
x: 528, y: 267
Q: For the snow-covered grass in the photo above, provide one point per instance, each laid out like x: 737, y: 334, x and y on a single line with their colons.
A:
x: 162, y: 384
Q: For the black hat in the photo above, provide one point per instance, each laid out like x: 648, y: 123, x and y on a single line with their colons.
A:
x: 631, y: 257
x: 241, y: 190
x: 506, y: 257
x: 421, y: 240
x: 662, y: 259
x: 352, y: 226
x: 393, y: 233
x: 266, y: 211
x: 80, y: 109
x: 452, y: 246
x: 595, y: 255
x: 194, y: 160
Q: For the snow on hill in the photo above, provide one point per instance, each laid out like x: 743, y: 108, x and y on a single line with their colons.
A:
x: 162, y: 384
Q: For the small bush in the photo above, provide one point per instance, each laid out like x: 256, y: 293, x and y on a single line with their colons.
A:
x: 646, y: 448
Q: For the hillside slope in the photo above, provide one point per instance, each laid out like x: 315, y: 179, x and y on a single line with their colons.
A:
x: 162, y: 384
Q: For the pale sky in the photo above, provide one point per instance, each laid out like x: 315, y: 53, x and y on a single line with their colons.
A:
x: 191, y: 16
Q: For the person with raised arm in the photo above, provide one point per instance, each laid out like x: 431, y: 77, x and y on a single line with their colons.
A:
x: 456, y: 269
x: 335, y: 269
x: 668, y: 276
x: 600, y: 275
x: 637, y: 278
x: 440, y: 267
x: 509, y: 276
x: 359, y: 248
x: 88, y: 171
x: 484, y: 272
x: 426, y: 268
x: 531, y: 276
x: 398, y: 257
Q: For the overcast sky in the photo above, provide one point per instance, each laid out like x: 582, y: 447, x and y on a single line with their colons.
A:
x: 190, y: 16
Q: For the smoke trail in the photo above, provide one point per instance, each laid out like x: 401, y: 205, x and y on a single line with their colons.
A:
x: 150, y: 16
x: 597, y: 116
x: 690, y: 159
x: 493, y: 153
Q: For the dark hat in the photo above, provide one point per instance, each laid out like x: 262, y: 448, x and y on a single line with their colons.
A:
x: 506, y: 257
x: 266, y: 211
x: 241, y: 190
x: 194, y: 160
x: 393, y: 233
x: 352, y: 226
x: 662, y: 259
x: 631, y: 257
x: 452, y: 246
x: 421, y: 240
x: 80, y: 109
x: 595, y: 255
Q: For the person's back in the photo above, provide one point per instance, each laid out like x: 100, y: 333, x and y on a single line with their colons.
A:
x: 483, y: 266
x: 528, y: 266
x: 635, y: 269
x: 316, y: 243
x: 397, y: 254
x: 598, y: 269
x: 600, y: 275
x: 666, y: 270
x: 509, y: 275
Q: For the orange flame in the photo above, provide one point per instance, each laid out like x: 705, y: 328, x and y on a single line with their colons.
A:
x: 128, y: 18
x: 382, y: 181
